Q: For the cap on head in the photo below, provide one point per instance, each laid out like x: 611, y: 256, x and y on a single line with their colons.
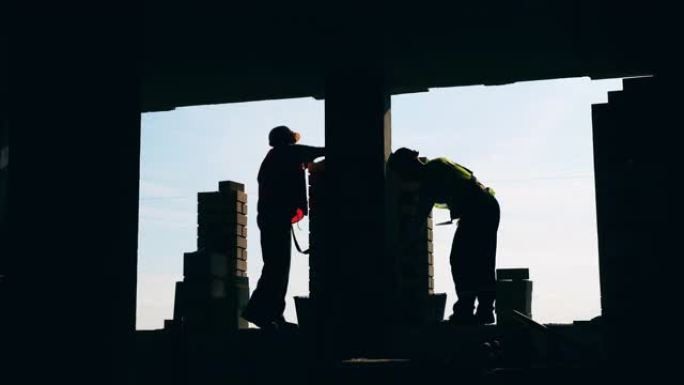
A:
x: 282, y: 136
x: 403, y: 161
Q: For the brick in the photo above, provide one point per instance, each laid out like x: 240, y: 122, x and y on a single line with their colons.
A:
x: 220, y: 218
x: 431, y: 270
x: 241, y: 220
x: 231, y: 251
x: 229, y: 185
x: 431, y: 258
x: 241, y: 208
x: 198, y: 291
x: 514, y: 274
x: 213, y: 200
x: 429, y: 234
x: 225, y: 218
x: 241, y: 265
x: 205, y: 264
x: 241, y: 197
x: 430, y: 247
x: 220, y: 201
x: 221, y: 241
x: 218, y: 230
x: 237, y: 253
x: 514, y: 294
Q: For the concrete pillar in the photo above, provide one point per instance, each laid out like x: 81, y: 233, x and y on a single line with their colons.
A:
x: 357, y: 119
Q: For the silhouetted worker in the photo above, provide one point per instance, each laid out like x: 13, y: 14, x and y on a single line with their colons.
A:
x: 282, y: 202
x: 473, y: 252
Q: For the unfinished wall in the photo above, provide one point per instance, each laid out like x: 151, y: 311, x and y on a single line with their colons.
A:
x: 215, y: 287
x: 639, y: 216
x: 414, y: 269
x: 317, y: 212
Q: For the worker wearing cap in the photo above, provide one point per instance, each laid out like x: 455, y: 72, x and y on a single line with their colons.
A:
x: 473, y: 252
x: 282, y: 202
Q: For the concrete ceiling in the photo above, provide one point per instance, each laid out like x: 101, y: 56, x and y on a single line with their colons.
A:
x: 201, y: 52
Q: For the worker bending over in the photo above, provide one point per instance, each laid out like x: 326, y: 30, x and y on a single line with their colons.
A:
x: 473, y: 252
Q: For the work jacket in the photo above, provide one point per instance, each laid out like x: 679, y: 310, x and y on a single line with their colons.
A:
x: 282, y: 186
x: 448, y: 183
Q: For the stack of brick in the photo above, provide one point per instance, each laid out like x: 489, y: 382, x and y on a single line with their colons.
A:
x: 513, y: 292
x: 416, y: 269
x: 305, y: 305
x: 316, y: 228
x: 215, y: 287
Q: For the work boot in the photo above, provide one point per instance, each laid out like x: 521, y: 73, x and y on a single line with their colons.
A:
x: 485, y: 307
x: 463, y: 314
x: 484, y: 317
x: 284, y: 325
x: 260, y: 321
x: 263, y: 324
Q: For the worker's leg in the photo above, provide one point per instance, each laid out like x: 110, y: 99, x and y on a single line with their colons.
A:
x: 267, y: 302
x: 462, y: 268
x: 486, y: 259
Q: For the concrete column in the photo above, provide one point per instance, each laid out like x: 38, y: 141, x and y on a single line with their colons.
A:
x: 357, y: 118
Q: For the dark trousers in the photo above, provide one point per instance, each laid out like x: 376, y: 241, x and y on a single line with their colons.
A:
x: 473, y: 254
x: 267, y: 302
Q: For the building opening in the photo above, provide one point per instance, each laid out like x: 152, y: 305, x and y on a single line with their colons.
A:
x: 530, y: 141
x: 187, y: 151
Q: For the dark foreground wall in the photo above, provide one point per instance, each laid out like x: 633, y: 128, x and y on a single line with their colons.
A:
x: 70, y: 256
x: 638, y: 198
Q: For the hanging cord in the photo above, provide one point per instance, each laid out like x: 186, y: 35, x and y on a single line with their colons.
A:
x: 297, y: 243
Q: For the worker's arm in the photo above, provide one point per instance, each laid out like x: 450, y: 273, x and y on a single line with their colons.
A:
x: 309, y: 153
x: 455, y: 209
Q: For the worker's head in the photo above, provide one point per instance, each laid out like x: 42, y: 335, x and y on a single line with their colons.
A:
x: 405, y: 163
x: 282, y: 136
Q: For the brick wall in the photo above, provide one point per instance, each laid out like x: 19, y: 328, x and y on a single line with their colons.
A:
x: 215, y: 286
x: 415, y: 264
x: 316, y: 232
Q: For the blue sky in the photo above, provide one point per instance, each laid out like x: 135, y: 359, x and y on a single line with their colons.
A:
x: 530, y: 141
